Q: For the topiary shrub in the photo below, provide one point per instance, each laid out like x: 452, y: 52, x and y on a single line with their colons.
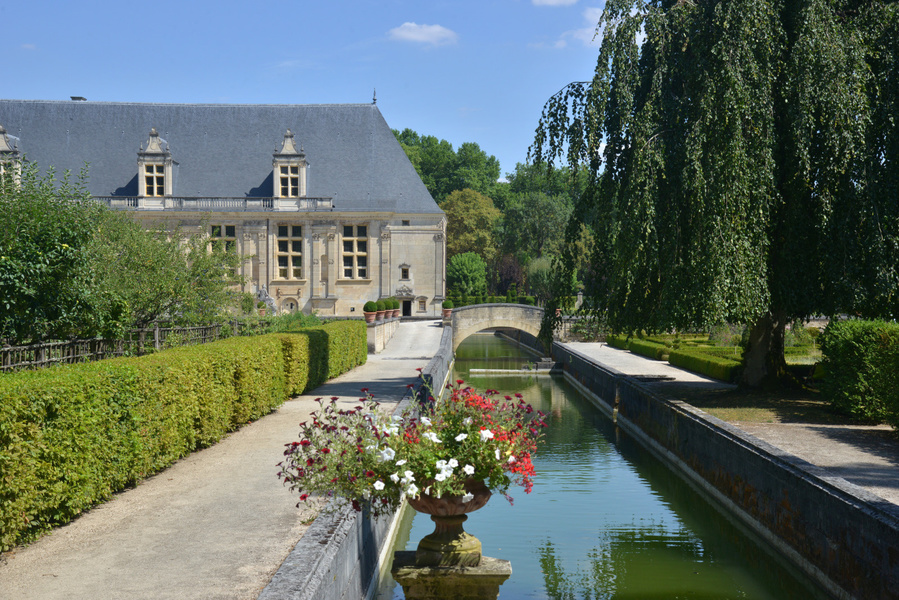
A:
x: 448, y: 303
x: 370, y: 306
x: 861, y: 363
x: 381, y: 306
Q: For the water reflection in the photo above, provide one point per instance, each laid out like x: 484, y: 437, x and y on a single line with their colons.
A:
x: 606, y: 520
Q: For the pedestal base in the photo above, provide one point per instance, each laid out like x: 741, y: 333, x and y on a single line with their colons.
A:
x: 450, y: 583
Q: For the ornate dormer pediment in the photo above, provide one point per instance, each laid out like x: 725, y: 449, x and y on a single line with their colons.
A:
x: 10, y: 161
x: 405, y: 291
x: 8, y: 149
x: 155, y: 145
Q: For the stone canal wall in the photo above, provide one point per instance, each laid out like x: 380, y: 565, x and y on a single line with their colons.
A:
x: 837, y: 533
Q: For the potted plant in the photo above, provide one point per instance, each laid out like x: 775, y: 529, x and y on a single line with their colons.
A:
x: 446, y: 458
x: 382, y: 308
x: 260, y: 306
x: 370, y: 310
x: 395, y: 304
x: 447, y: 308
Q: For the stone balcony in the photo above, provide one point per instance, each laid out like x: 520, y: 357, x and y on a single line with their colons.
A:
x: 216, y: 204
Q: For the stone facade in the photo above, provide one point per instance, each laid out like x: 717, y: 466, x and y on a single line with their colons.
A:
x: 319, y: 200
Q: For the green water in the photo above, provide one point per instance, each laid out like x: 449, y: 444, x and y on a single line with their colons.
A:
x: 606, y: 520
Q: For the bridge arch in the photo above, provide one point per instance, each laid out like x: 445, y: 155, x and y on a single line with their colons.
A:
x: 471, y: 319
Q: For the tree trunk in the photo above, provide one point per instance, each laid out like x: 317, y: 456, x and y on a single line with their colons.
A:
x: 764, y: 363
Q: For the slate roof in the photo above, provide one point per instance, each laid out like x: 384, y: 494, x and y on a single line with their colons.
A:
x: 224, y: 150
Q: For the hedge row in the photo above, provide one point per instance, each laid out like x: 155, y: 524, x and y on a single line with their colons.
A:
x: 700, y: 361
x: 717, y: 367
x: 861, y: 359
x: 72, y: 436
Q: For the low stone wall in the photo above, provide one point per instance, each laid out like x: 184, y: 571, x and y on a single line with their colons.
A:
x: 839, y: 534
x: 339, y: 556
x: 379, y: 333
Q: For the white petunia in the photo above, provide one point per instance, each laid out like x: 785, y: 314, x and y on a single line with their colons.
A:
x: 469, y: 470
x: 466, y: 421
x: 453, y: 463
x: 412, y: 491
x: 440, y: 464
x: 461, y: 437
x: 430, y: 435
x: 468, y: 497
x: 441, y: 476
x: 379, y: 485
x: 400, y: 463
x: 395, y: 478
x: 409, y: 475
x: 486, y: 434
x: 511, y: 459
x: 386, y: 454
x: 496, y: 453
x: 426, y: 421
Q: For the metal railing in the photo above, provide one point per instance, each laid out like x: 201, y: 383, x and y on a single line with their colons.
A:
x: 135, y: 343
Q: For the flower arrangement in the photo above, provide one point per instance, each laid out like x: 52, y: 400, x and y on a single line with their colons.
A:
x: 362, y: 454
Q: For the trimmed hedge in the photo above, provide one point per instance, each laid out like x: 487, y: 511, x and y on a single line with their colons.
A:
x: 649, y: 349
x: 706, y: 364
x: 617, y: 341
x: 73, y: 435
x: 861, y: 362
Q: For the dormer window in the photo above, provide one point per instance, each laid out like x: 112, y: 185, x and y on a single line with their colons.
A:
x: 289, y: 169
x: 10, y: 161
x: 155, y: 168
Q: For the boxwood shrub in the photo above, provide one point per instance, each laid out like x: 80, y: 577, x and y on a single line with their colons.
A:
x: 716, y: 367
x: 73, y: 435
x: 649, y: 349
x: 861, y: 365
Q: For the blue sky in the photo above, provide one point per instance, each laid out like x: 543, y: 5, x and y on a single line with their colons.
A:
x: 464, y: 71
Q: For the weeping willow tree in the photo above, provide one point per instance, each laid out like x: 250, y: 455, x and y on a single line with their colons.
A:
x: 742, y: 162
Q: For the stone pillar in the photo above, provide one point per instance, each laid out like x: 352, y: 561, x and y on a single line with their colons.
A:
x: 315, y: 272
x: 385, y: 267
x: 450, y: 583
x: 440, y: 266
x: 332, y: 254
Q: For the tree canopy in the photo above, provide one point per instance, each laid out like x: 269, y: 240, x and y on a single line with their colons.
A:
x: 470, y: 222
x: 741, y: 164
x: 444, y: 170
x: 70, y: 267
x: 466, y: 274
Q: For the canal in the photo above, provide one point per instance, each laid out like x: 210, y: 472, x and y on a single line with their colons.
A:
x: 606, y: 519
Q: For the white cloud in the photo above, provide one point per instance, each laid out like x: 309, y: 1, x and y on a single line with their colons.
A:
x: 586, y: 35
x: 435, y: 35
x: 553, y: 2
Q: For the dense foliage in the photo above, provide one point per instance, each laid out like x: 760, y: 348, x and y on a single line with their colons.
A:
x: 444, y: 170
x: 861, y: 362
x: 466, y: 274
x: 71, y: 436
x: 742, y: 163
x: 72, y: 268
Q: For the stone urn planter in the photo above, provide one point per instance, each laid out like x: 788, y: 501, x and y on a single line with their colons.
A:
x: 449, y: 544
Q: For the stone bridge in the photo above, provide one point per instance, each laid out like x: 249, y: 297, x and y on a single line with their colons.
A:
x: 471, y: 319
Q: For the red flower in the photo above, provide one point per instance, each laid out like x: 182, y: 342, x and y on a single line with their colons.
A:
x: 305, y: 443
x: 326, y: 451
x: 304, y: 496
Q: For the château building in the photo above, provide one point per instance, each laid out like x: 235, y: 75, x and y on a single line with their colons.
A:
x: 319, y: 200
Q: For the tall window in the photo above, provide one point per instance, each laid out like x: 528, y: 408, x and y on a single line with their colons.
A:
x: 290, y: 181
x: 154, y: 177
x: 355, y: 252
x: 290, y: 252
x: 224, y: 235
